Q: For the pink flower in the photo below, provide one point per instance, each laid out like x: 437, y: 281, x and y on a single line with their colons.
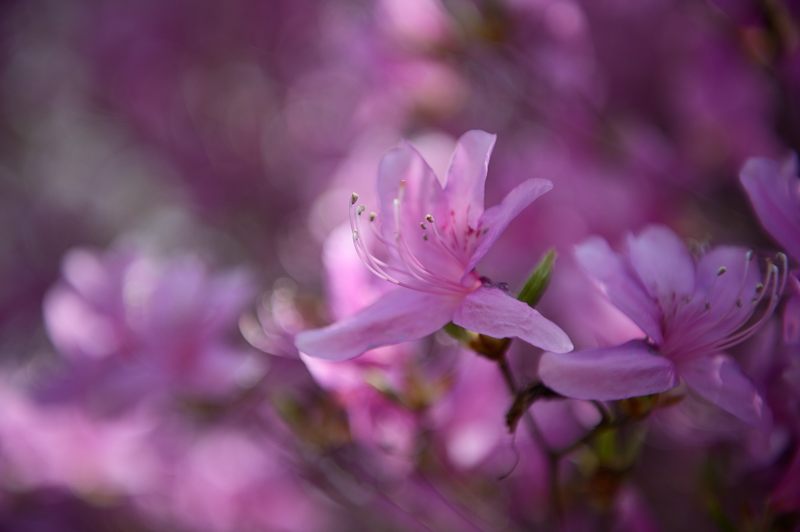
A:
x: 431, y: 234
x: 132, y: 327
x: 691, y: 311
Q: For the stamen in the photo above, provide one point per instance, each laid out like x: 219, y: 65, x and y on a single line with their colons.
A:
x: 734, y: 320
x: 440, y: 238
x: 408, y: 271
x: 414, y: 266
x: 743, y: 334
x: 380, y: 268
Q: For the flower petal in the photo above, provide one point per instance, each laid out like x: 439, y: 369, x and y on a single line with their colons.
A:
x: 492, y: 312
x: 662, y: 262
x: 774, y: 191
x: 609, y: 373
x: 349, y: 283
x: 496, y: 219
x: 403, y: 167
x: 408, y: 191
x: 397, y: 316
x: 718, y: 379
x: 466, y: 177
x: 621, y: 285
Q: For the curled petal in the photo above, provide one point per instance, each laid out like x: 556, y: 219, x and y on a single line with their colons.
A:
x: 718, y: 379
x: 622, y: 286
x: 496, y: 219
x: 397, y: 316
x: 606, y: 374
x: 492, y: 312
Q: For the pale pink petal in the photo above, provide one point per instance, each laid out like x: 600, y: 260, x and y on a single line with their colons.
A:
x: 495, y: 220
x: 662, y: 262
x: 96, y: 276
x: 76, y: 328
x: 466, y: 177
x: 492, y: 312
x: 609, y: 373
x: 774, y: 191
x: 718, y: 379
x: 348, y: 281
x: 408, y: 192
x: 422, y: 194
x: 397, y: 316
x: 622, y: 287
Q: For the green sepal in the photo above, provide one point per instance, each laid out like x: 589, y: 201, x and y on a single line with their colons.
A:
x: 538, y: 280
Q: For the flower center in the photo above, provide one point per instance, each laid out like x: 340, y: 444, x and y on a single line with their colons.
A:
x: 403, y: 266
x: 697, y: 324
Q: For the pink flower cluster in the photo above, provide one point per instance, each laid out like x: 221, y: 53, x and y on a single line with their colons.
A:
x: 399, y: 265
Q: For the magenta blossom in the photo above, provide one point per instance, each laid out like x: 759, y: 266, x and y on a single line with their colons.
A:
x: 691, y: 311
x: 432, y: 233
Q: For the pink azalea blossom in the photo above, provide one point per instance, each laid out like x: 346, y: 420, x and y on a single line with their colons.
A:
x: 692, y: 311
x: 432, y: 233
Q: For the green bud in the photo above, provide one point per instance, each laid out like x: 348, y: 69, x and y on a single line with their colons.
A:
x: 538, y: 280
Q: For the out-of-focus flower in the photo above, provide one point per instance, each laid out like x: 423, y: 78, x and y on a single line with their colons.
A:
x: 60, y: 445
x: 227, y: 480
x: 433, y: 234
x: 691, y: 311
x: 132, y: 326
x: 471, y: 425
